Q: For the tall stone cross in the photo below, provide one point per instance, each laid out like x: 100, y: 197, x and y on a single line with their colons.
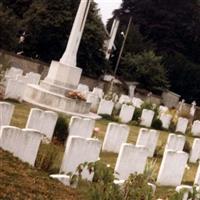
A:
x: 70, y: 55
x: 110, y: 42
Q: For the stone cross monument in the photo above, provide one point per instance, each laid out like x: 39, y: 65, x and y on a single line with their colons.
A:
x: 64, y: 74
x: 110, y: 42
x: 70, y: 54
x: 54, y: 91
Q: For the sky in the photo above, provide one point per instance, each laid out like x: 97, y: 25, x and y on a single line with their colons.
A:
x: 107, y: 7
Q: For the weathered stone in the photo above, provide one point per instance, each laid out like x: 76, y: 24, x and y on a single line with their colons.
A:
x: 195, y: 151
x: 137, y: 102
x: 6, y: 112
x: 126, y: 113
x: 116, y: 135
x: 82, y: 127
x: 105, y: 107
x: 182, y: 125
x: 166, y: 120
x: 175, y: 142
x: 196, y: 128
x: 147, y: 117
x: 78, y: 151
x: 131, y: 159
x: 148, y: 139
x: 42, y: 121
x: 172, y: 168
x: 22, y: 143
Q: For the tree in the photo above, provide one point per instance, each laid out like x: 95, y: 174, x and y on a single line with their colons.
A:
x: 185, y: 75
x: 8, y: 27
x: 146, y: 68
x: 18, y: 7
x: 173, y: 27
x: 47, y: 25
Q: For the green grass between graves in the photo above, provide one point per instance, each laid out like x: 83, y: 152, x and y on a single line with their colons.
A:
x: 18, y: 178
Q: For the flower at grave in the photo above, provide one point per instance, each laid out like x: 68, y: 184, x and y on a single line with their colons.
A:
x: 75, y: 95
x: 98, y: 159
x: 108, y: 165
x: 96, y: 129
x: 187, y: 167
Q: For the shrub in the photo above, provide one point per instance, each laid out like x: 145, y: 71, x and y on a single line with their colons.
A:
x: 61, y: 129
x: 172, y: 127
x: 111, y: 118
x: 187, y: 147
x: 157, y: 124
x: 137, y: 114
x: 103, y: 186
x: 47, y: 156
x: 159, y: 150
x: 147, y: 105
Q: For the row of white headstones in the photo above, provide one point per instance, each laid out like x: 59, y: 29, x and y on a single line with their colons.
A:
x: 81, y: 148
x: 105, y: 107
x: 16, y: 84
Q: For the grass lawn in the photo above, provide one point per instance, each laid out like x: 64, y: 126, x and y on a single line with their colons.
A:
x: 53, y: 153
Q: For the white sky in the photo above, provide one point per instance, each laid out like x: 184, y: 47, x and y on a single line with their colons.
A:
x: 107, y: 7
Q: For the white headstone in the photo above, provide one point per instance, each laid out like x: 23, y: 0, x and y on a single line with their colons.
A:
x: 42, y: 121
x: 105, y: 107
x: 175, y: 142
x: 195, y: 151
x: 126, y: 113
x: 148, y: 139
x: 124, y: 99
x: 163, y: 109
x: 6, y: 112
x: 23, y: 79
x: 78, y: 151
x: 197, y: 177
x: 116, y: 135
x: 182, y: 125
x: 172, y: 168
x: 147, y: 117
x: 185, y: 189
x: 33, y: 78
x: 12, y: 73
x: 137, y: 102
x: 83, y: 88
x: 23, y: 143
x: 98, y: 91
x: 94, y: 100
x: 166, y: 120
x: 82, y: 127
x: 196, y: 128
x: 131, y: 159
x: 132, y: 90
x: 15, y: 90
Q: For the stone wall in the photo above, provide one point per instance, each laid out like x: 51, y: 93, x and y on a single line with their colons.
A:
x: 170, y: 99
x: 24, y: 63
x: 32, y: 65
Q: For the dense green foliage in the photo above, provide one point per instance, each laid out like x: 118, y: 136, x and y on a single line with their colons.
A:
x: 47, y: 25
x: 103, y: 187
x: 61, y: 129
x: 145, y: 68
x: 171, y: 29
